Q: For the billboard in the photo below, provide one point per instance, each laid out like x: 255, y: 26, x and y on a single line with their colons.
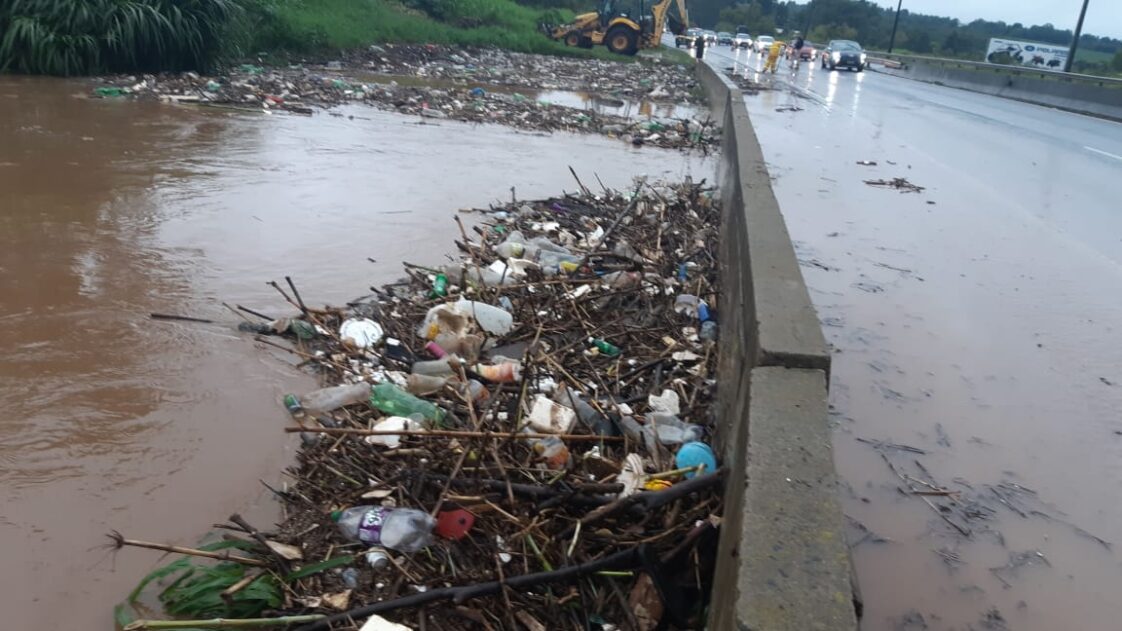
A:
x: 1026, y: 53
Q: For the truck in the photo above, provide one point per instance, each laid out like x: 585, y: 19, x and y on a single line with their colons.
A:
x: 620, y: 30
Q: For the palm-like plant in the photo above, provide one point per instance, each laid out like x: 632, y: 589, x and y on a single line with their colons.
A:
x: 68, y: 37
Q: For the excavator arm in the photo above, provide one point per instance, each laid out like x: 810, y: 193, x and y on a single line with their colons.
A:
x: 678, y: 24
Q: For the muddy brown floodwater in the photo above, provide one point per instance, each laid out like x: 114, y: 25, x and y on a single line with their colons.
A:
x: 110, y: 210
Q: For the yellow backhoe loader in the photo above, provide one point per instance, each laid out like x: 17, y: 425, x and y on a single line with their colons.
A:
x: 622, y: 31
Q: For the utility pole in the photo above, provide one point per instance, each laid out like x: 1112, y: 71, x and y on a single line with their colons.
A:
x: 895, y: 21
x: 1075, y: 40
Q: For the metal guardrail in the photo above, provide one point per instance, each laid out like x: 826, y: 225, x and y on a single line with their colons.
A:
x: 1055, y: 75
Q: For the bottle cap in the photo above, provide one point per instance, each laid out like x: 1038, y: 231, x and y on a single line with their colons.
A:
x: 454, y: 524
x: 336, y: 515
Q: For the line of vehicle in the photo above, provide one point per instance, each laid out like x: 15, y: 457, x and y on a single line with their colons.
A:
x: 1105, y: 153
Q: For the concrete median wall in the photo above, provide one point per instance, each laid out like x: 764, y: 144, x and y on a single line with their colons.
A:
x: 783, y: 563
x: 1094, y: 96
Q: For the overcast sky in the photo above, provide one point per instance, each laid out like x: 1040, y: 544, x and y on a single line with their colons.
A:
x: 1104, y: 17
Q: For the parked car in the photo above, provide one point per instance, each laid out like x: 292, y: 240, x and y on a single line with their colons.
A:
x: 764, y: 42
x: 742, y: 40
x: 687, y: 39
x: 710, y: 37
x: 724, y: 38
x: 843, y: 53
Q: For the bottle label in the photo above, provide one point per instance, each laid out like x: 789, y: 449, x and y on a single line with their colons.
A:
x: 370, y: 528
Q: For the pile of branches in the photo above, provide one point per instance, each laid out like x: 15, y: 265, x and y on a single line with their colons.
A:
x: 617, y: 532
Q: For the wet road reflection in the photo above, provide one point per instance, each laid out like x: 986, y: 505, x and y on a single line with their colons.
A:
x: 971, y: 325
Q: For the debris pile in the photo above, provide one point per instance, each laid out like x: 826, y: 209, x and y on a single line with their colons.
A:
x: 520, y: 439
x: 646, y: 79
x: 468, y: 98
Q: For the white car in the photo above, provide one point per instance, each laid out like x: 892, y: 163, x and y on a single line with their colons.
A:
x: 764, y: 42
x: 742, y: 40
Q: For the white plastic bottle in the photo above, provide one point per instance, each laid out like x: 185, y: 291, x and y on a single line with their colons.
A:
x: 491, y: 319
x: 401, y: 529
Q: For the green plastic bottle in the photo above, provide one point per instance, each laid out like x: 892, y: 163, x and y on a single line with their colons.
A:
x: 393, y: 400
x: 440, y: 286
x: 607, y: 348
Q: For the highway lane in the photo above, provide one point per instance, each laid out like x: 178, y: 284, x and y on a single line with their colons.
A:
x: 978, y: 321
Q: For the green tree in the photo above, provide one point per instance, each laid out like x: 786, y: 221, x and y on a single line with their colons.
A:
x: 1116, y: 62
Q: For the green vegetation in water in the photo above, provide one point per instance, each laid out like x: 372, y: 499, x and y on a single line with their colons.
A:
x: 196, y: 587
x: 71, y: 37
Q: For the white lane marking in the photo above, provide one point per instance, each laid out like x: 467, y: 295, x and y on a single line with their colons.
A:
x: 1105, y: 153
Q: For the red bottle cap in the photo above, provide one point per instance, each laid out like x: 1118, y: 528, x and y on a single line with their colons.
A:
x: 454, y: 524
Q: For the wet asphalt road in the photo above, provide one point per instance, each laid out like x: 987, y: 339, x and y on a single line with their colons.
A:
x: 978, y: 321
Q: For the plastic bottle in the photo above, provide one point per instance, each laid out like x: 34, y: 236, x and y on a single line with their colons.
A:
x: 466, y: 346
x: 444, y: 367
x: 552, y: 451
x: 513, y: 247
x: 491, y: 319
x: 260, y: 328
x: 424, y: 384
x: 504, y: 372
x: 708, y: 331
x: 302, y: 329
x: 401, y: 529
x: 672, y: 430
x: 377, y: 558
x: 473, y: 389
x: 605, y: 347
x: 445, y: 318
x: 639, y: 433
x: 393, y: 400
x: 328, y: 399
x: 440, y: 286
x: 586, y: 414
x: 292, y: 404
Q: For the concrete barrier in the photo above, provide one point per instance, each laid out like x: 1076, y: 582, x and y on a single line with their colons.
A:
x: 783, y: 563
x: 1094, y: 96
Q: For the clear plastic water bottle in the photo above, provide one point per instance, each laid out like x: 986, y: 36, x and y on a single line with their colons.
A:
x: 401, y: 529
x: 326, y: 400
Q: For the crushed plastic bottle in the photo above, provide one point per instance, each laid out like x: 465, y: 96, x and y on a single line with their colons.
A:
x: 503, y: 372
x: 402, y: 529
x: 422, y: 385
x: 465, y: 346
x: 672, y: 430
x: 393, y: 400
x: 327, y: 400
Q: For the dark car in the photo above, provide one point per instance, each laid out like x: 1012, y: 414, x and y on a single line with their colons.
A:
x: 843, y: 53
x: 687, y: 39
x: 724, y: 39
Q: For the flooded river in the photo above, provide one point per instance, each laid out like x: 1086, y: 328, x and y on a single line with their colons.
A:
x: 110, y: 210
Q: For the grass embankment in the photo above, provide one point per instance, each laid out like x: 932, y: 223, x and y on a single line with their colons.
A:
x: 71, y: 37
x: 321, y: 25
